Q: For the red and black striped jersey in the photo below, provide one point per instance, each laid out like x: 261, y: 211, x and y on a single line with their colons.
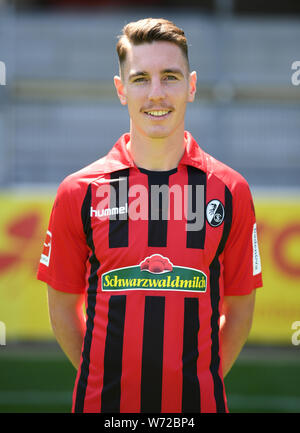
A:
x: 154, y: 253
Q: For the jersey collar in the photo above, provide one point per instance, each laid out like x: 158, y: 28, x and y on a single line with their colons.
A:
x: 119, y: 158
x: 193, y: 154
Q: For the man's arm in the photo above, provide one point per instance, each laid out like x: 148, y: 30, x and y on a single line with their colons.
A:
x: 235, y: 325
x: 68, y: 322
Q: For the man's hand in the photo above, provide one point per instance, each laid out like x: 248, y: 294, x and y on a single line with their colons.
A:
x: 68, y: 322
x: 236, y: 321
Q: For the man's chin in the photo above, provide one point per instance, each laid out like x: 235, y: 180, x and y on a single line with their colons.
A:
x: 158, y: 135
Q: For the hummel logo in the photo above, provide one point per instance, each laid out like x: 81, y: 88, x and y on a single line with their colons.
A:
x: 109, y: 211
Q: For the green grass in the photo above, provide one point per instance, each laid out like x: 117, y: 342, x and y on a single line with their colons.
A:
x: 33, y: 381
x: 262, y: 386
x: 40, y: 380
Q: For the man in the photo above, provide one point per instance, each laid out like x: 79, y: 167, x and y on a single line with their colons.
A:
x: 168, y: 279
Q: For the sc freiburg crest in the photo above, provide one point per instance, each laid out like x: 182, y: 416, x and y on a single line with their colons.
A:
x: 215, y: 213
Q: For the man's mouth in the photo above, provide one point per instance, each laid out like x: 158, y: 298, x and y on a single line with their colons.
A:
x: 157, y: 113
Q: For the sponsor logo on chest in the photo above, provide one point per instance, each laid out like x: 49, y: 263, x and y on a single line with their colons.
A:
x: 155, y: 273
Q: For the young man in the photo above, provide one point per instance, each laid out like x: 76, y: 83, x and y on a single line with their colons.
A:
x: 159, y: 239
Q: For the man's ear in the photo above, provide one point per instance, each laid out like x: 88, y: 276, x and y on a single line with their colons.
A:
x: 192, y: 86
x: 120, y: 89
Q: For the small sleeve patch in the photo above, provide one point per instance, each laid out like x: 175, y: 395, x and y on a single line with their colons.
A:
x: 45, y: 257
x: 256, y: 256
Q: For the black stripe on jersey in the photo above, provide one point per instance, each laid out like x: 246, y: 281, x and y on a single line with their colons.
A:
x: 91, y: 303
x: 157, y: 228
x: 196, y: 239
x: 118, y: 227
x: 215, y: 300
x: 190, y: 384
x: 152, y: 355
x: 111, y: 392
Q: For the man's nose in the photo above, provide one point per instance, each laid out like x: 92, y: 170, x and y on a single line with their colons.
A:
x: 156, y: 90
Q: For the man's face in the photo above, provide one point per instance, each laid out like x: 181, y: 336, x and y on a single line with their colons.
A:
x: 156, y: 85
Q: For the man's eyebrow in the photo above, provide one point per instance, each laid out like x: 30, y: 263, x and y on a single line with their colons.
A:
x: 172, y: 71
x: 137, y: 74
x: 164, y: 71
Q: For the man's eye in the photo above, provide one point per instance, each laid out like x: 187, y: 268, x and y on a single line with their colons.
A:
x: 170, y: 77
x: 139, y: 80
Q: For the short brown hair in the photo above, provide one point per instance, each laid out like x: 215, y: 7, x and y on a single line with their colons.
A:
x: 149, y: 30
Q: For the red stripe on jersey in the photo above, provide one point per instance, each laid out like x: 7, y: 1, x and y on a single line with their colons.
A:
x: 132, y: 354
x: 207, y: 399
x: 172, y: 357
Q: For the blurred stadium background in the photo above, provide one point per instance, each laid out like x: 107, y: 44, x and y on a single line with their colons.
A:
x: 59, y: 112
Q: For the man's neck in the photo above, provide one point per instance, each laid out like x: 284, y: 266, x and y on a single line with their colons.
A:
x: 159, y: 154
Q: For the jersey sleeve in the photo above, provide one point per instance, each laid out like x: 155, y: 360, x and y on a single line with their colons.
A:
x: 242, y: 264
x: 63, y: 260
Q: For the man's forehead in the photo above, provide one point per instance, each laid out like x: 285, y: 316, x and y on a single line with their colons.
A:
x: 154, y: 55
